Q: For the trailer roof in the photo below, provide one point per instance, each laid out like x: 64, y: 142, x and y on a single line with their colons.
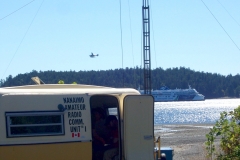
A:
x: 65, y: 88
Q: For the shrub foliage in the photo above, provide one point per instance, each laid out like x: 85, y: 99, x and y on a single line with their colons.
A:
x: 227, y: 128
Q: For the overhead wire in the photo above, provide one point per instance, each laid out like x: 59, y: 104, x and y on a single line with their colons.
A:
x: 221, y: 25
x: 120, y: 5
x: 16, y: 10
x: 130, y: 22
x: 228, y: 13
x: 141, y: 63
x: 22, y: 39
x: 153, y: 34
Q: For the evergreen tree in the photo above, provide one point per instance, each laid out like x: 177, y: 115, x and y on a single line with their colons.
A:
x: 211, y: 85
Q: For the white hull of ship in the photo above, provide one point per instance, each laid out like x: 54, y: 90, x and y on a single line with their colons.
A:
x: 176, y: 95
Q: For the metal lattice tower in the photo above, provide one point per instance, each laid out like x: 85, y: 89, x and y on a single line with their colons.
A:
x: 146, y: 47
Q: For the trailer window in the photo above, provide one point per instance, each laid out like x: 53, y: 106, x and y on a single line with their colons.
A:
x: 34, y: 124
x: 112, y: 111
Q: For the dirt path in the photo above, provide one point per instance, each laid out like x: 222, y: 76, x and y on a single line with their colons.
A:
x: 187, y: 141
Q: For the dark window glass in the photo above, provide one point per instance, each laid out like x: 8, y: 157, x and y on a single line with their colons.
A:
x: 36, y: 130
x: 34, y: 124
x: 36, y: 119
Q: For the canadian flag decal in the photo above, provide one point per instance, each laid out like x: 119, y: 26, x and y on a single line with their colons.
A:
x: 75, y: 135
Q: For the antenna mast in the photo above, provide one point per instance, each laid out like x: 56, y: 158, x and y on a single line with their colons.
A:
x: 146, y: 47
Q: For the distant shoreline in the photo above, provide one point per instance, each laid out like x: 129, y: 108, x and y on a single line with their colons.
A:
x: 223, y: 98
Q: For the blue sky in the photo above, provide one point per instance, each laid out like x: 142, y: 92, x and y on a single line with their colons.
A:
x: 60, y: 34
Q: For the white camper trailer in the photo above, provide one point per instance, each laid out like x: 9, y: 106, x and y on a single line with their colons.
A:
x: 43, y: 122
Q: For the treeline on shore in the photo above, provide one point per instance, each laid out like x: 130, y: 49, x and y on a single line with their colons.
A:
x: 211, y: 85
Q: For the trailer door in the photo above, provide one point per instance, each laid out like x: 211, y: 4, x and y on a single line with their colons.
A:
x: 138, y: 127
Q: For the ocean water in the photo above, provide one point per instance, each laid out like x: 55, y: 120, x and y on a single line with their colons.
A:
x: 192, y: 112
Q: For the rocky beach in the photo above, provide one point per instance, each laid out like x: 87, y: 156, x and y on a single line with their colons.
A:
x: 186, y: 141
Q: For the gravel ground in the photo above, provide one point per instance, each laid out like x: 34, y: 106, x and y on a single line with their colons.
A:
x: 187, y: 141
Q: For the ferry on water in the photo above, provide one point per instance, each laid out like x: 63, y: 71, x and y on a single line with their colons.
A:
x: 164, y: 94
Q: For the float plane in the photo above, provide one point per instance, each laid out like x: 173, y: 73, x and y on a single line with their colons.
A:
x: 93, y: 55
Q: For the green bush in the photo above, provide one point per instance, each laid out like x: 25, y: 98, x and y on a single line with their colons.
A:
x: 227, y: 128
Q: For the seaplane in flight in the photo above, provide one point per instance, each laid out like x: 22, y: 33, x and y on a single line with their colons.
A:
x: 93, y: 55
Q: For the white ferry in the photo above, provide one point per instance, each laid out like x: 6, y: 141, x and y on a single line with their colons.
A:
x: 164, y: 94
x: 55, y: 121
